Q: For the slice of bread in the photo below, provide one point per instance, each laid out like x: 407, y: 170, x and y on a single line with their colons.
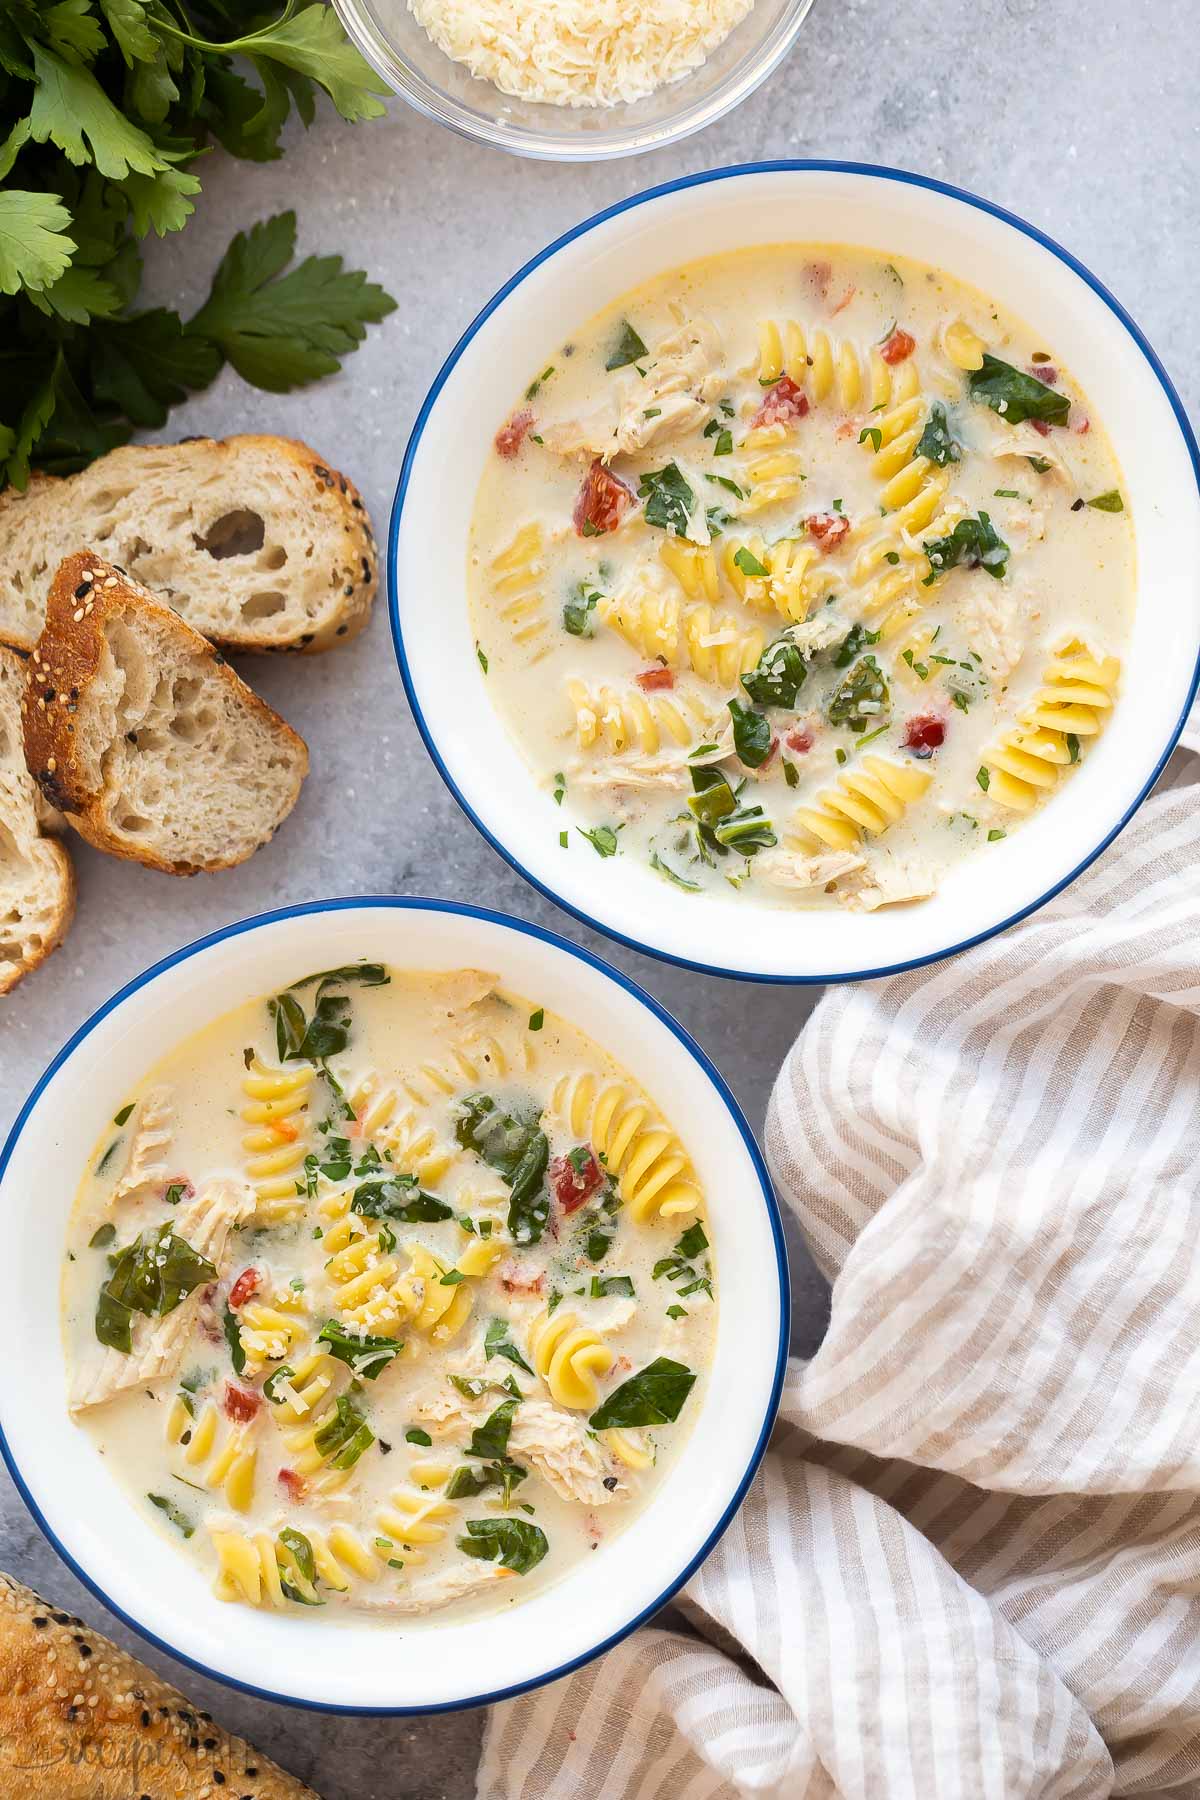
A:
x: 139, y: 731
x: 37, y: 881
x: 256, y: 541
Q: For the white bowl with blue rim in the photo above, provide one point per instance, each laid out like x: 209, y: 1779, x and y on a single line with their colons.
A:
x: 734, y: 209
x: 307, y: 1659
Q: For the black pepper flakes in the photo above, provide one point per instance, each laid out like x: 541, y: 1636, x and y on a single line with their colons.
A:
x: 145, y: 1719
x: 83, y: 590
x: 1077, y: 506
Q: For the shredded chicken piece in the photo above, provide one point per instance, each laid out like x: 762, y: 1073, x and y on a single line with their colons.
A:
x: 891, y: 881
x: 994, y: 618
x: 683, y: 377
x: 1022, y: 440
x: 461, y: 990
x: 558, y: 1446
x: 157, y: 1344
x: 663, y: 773
x: 434, y: 1592
x: 787, y: 869
x: 146, y: 1167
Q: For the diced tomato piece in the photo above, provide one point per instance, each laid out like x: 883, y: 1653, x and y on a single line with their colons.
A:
x: 293, y: 1485
x: 240, y: 1404
x: 510, y: 437
x: 846, y: 298
x: 575, y: 1179
x: 828, y: 528
x: 1041, y: 427
x: 783, y: 403
x: 924, y: 733
x: 284, y: 1128
x: 800, y: 740
x: 898, y: 347
x: 651, y: 679
x: 520, y: 1278
x: 1045, y: 372
x: 818, y: 276
x: 603, y: 501
x: 247, y: 1283
x: 1083, y: 427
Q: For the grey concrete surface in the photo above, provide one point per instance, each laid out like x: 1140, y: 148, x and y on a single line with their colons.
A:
x: 1082, y: 118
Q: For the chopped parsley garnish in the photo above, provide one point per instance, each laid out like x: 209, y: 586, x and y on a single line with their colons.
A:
x: 179, y: 1519
x: 1111, y: 502
x: 749, y: 564
x: 126, y: 1112
x: 577, y: 613
x: 860, y: 696
x: 723, y: 435
x: 482, y: 656
x: 983, y: 778
x: 871, y: 434
x: 497, y: 1342
x: 995, y: 835
x: 537, y: 1019
x: 603, y: 1285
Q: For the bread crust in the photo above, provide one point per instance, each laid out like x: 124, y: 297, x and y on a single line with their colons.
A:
x: 85, y: 592
x: 81, y: 1719
x: 340, y: 507
x: 32, y: 835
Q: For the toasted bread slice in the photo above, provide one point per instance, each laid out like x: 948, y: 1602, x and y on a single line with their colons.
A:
x: 82, y: 1719
x: 256, y: 541
x: 137, y: 729
x: 37, y: 881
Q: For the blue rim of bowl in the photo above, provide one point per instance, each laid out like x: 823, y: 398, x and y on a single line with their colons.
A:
x: 506, y: 920
x: 905, y: 178
x: 360, y: 30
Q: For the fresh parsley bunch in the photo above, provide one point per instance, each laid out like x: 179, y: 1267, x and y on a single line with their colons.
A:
x: 107, y: 108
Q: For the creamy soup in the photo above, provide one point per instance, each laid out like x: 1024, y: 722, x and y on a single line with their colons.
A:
x: 801, y: 571
x: 389, y: 1293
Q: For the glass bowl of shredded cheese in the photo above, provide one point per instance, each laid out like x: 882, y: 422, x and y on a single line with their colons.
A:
x: 574, y: 80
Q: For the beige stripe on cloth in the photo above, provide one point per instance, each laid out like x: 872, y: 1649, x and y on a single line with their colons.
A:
x: 970, y: 1566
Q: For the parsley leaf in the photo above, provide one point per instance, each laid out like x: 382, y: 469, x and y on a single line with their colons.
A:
x: 669, y: 499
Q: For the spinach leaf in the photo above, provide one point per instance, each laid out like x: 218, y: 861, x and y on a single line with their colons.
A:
x: 779, y: 676
x: 679, y: 1266
x: 274, y: 1381
x: 669, y: 500
x: 603, y: 839
x: 152, y: 1275
x: 721, y: 823
x: 577, y: 613
x: 611, y: 1284
x: 102, y: 1236
x: 399, y: 1197
x: 367, y: 1356
x: 342, y: 1439
x: 491, y: 1438
x: 936, y: 441
x: 466, y: 1482
x: 368, y: 974
x: 654, y: 1396
x: 751, y: 734
x: 861, y: 695
x: 693, y: 1240
x: 748, y: 829
x: 298, y: 1569
x: 712, y: 799
x: 851, y: 644
x: 514, y: 1543
x: 973, y: 544
x: 627, y: 348
x: 519, y: 1151
x: 497, y: 1342
x: 233, y: 1337
x: 179, y: 1519
x: 327, y: 1033
x: 1015, y: 395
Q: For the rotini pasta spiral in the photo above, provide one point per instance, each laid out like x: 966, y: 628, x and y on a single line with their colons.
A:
x: 630, y: 1448
x: 827, y: 367
x: 414, y: 1522
x: 652, y: 1170
x: 963, y: 346
x: 300, y: 1394
x: 324, y: 1448
x: 771, y: 477
x: 276, y: 1109
x: 516, y: 578
x: 268, y: 1328
x: 1073, y: 703
x: 627, y: 719
x: 796, y: 576
x: 252, y: 1570
x: 868, y: 798
x: 221, y: 1457
x: 416, y: 1149
x: 568, y: 1356
x: 694, y: 567
x: 716, y: 647
x: 474, y: 1059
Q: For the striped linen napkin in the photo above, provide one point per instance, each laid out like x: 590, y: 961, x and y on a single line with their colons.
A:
x: 969, y: 1568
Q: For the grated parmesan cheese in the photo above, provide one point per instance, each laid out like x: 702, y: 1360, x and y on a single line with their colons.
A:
x: 579, y: 52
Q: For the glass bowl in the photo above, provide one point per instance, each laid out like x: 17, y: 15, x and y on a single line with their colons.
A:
x: 396, y: 45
